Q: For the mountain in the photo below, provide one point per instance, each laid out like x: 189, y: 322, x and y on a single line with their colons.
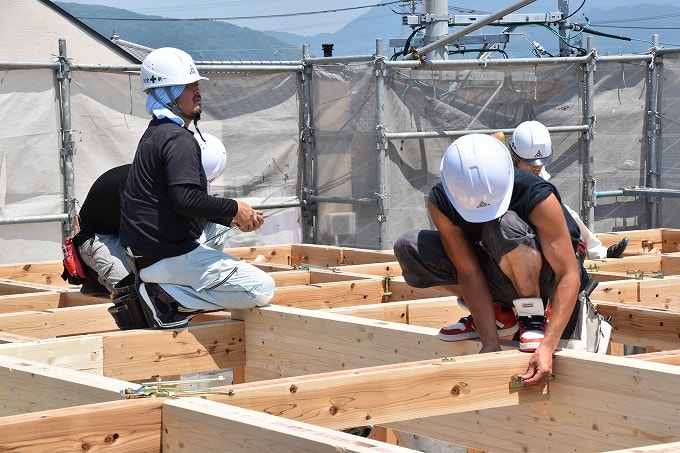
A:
x: 357, y: 37
x: 204, y: 39
x: 217, y: 40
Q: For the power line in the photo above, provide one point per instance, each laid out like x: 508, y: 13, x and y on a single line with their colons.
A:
x: 638, y: 27
x: 268, y: 16
x: 638, y: 19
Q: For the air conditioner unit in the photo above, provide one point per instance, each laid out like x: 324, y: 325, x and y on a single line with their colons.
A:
x: 341, y: 223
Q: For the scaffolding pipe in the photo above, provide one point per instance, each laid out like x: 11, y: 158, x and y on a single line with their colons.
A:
x: 665, y: 50
x: 455, y: 64
x: 419, y: 53
x: 233, y: 67
x: 588, y: 210
x: 34, y: 219
x: 67, y: 144
x: 653, y: 133
x: 28, y: 65
x: 445, y: 134
x: 307, y: 139
x: 381, y: 143
x: 340, y: 60
x: 248, y: 62
x: 342, y: 200
x: 640, y: 192
x: 289, y: 204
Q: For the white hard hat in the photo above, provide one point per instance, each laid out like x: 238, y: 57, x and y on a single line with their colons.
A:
x: 213, y: 155
x: 478, y: 175
x: 531, y: 143
x: 168, y: 66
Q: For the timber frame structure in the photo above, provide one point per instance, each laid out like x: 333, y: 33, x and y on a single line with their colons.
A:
x: 344, y: 343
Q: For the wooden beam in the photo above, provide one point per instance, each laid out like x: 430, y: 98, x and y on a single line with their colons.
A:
x: 9, y: 337
x: 434, y: 313
x: 387, y: 393
x: 81, y: 353
x: 597, y: 403
x: 660, y: 293
x: 622, y: 291
x: 46, y: 273
x: 123, y: 426
x: 635, y: 240
x: 670, y: 263
x: 287, y: 341
x: 349, y: 293
x: 193, y: 424
x: 392, y: 268
x: 60, y: 322
x: 30, y: 301
x: 354, y: 256
x: 668, y: 357
x: 672, y: 447
x: 140, y: 354
x: 642, y: 326
x: 29, y: 386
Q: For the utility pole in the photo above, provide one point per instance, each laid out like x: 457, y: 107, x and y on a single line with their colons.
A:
x: 563, y: 28
x: 436, y: 16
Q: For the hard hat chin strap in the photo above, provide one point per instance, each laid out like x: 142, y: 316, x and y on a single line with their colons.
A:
x: 172, y: 105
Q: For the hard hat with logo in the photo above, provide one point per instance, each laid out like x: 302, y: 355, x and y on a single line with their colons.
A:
x: 478, y: 176
x: 531, y: 143
x: 168, y: 66
x: 213, y: 155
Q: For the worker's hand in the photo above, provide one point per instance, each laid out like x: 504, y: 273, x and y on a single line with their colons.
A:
x: 540, y: 367
x: 247, y: 219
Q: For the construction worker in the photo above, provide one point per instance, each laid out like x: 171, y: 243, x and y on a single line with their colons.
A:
x: 166, y: 207
x: 503, y: 236
x: 531, y: 148
x: 98, y: 242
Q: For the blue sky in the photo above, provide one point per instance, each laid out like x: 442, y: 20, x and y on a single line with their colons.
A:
x: 313, y: 24
x: 316, y: 23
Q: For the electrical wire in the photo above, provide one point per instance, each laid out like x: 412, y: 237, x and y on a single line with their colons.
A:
x: 485, y: 49
x: 580, y: 50
x: 572, y: 14
x: 407, y: 45
x: 264, y: 16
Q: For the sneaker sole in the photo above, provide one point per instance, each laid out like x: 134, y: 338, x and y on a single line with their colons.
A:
x: 149, y: 306
x: 458, y: 337
x: 474, y: 335
x: 508, y: 331
x: 529, y: 347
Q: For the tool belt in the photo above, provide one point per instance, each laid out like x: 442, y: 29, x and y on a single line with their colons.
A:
x: 126, y: 309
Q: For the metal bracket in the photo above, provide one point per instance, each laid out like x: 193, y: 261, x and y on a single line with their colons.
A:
x: 386, y: 293
x: 308, y: 267
x: 640, y: 274
x: 170, y: 388
x: 516, y: 381
x: 649, y: 245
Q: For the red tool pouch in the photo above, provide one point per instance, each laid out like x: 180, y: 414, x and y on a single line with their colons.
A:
x: 74, y: 270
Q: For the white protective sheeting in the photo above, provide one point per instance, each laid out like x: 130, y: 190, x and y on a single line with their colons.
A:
x: 255, y: 115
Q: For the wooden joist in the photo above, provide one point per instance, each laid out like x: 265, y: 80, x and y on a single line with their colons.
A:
x: 599, y: 403
x: 192, y: 424
x: 344, y: 343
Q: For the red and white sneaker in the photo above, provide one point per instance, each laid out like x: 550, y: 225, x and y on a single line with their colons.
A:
x: 465, y: 328
x: 532, y: 319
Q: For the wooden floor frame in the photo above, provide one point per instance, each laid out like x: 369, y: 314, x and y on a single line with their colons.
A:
x: 344, y: 343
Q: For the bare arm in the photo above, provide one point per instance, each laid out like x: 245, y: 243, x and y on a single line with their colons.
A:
x: 556, y: 246
x: 471, y: 280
